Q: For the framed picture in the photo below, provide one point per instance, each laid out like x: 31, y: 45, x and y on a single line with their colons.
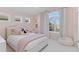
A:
x: 17, y: 19
x: 3, y: 18
x: 27, y: 20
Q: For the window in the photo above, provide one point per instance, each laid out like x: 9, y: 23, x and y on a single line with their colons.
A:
x: 54, y: 21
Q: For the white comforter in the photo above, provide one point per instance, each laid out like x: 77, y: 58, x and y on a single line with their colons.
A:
x: 14, y: 39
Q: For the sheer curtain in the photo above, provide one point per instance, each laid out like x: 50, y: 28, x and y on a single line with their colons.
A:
x: 63, y: 22
x: 69, y: 26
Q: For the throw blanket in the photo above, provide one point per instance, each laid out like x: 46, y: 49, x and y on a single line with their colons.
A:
x: 25, y: 41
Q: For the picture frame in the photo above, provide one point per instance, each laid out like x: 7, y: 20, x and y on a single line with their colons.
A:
x: 26, y: 20
x: 17, y: 19
x: 3, y: 17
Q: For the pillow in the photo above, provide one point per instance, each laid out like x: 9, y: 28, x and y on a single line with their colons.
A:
x: 13, y: 30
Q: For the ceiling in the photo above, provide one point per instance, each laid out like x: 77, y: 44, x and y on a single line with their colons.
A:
x: 27, y: 10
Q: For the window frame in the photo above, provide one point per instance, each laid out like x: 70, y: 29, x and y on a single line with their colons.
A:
x: 55, y: 30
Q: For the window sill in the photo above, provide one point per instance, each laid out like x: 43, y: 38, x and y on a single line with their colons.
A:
x: 53, y: 32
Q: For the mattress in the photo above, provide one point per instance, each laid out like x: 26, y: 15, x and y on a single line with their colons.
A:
x: 14, y: 39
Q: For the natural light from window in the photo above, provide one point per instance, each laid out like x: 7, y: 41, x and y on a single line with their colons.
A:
x: 54, y: 21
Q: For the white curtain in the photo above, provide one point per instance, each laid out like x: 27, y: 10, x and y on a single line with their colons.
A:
x: 63, y: 22
x: 44, y: 23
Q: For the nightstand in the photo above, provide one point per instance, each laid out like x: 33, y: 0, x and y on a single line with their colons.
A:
x: 2, y: 44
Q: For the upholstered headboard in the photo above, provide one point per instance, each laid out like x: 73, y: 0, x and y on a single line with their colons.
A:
x: 16, y: 30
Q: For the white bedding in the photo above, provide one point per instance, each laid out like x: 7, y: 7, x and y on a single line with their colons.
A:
x: 14, y: 39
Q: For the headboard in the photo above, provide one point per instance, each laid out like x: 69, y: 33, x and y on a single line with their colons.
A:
x: 16, y: 29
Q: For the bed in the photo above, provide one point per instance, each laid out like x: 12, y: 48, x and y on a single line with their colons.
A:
x: 35, y: 42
